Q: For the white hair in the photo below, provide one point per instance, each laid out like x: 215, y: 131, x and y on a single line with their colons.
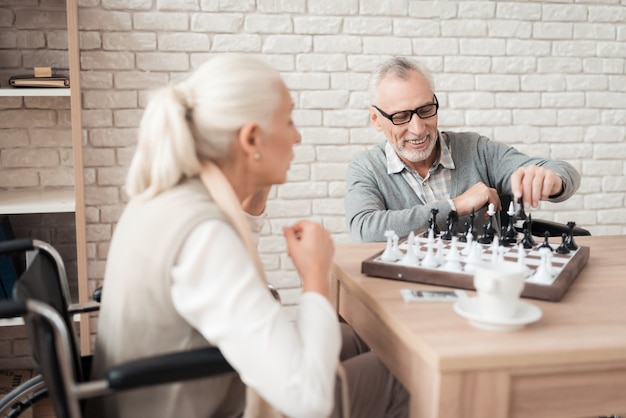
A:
x: 399, y: 67
x: 198, y: 119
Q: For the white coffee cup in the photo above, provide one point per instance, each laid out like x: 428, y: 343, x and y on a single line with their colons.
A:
x: 498, y: 287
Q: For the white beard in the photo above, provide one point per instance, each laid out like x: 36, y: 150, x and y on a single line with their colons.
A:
x: 416, y: 156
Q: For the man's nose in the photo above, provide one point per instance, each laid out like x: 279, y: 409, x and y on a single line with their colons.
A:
x: 416, y: 124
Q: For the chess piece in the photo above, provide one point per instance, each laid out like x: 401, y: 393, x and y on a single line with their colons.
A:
x: 491, y: 229
x: 453, y: 259
x: 543, y: 274
x: 521, y: 258
x: 429, y: 260
x: 545, y: 243
x: 410, y: 258
x: 439, y: 255
x: 485, y: 238
x: 520, y: 215
x: 395, y: 247
x: 570, y: 238
x: 471, y: 229
x: 451, y: 226
x: 389, y: 254
x: 475, y: 257
x: 468, y: 247
x: 510, y: 234
x: 528, y: 240
x: 463, y: 237
x: 495, y: 245
x: 563, y: 248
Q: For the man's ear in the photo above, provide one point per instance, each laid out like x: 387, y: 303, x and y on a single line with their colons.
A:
x: 249, y: 137
x: 375, y: 119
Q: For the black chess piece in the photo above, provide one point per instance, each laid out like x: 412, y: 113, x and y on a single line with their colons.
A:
x: 527, y: 240
x: 503, y: 242
x: 563, y: 248
x: 486, y: 237
x: 446, y: 235
x: 451, y: 226
x: 570, y: 237
x: 471, y: 229
x: 436, y: 230
x: 463, y: 237
x: 490, y: 230
x: 545, y: 243
x: 509, y: 234
x: 521, y: 214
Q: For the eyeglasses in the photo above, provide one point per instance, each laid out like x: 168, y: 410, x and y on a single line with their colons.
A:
x: 404, y: 116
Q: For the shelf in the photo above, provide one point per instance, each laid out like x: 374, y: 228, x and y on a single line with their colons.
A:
x: 36, y: 201
x: 31, y: 92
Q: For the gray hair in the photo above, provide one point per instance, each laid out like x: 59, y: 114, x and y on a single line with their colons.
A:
x: 197, y: 120
x: 399, y: 67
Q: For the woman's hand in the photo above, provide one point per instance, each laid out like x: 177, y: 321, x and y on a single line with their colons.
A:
x: 311, y: 249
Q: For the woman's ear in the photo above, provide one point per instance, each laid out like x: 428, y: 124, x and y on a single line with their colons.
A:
x: 249, y: 139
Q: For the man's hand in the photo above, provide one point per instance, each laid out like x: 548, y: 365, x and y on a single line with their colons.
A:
x: 476, y: 197
x: 534, y: 183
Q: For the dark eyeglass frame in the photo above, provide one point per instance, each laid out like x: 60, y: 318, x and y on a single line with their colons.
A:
x: 414, y: 111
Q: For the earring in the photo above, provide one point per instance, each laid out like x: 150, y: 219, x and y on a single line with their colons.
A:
x: 257, y: 156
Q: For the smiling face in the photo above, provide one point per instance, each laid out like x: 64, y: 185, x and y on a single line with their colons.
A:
x: 415, y: 142
x: 276, y: 146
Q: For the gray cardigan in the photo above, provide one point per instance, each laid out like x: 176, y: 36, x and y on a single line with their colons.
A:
x: 377, y: 201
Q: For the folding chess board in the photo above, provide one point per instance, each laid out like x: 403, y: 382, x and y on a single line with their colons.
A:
x: 564, y: 267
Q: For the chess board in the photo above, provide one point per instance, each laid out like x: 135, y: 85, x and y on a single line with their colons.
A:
x: 565, y: 267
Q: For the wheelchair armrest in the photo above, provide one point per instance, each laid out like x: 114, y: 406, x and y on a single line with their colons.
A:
x: 16, y: 245
x: 83, y: 307
x: 168, y: 368
x: 12, y: 309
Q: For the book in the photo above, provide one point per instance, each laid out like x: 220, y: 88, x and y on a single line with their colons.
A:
x: 31, y: 81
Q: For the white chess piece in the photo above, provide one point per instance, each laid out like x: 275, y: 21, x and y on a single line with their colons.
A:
x: 475, y: 257
x: 495, y: 245
x: 409, y: 258
x: 440, y: 256
x: 389, y: 254
x: 521, y: 259
x: 429, y: 260
x: 543, y: 273
x: 453, y: 259
x: 394, y: 246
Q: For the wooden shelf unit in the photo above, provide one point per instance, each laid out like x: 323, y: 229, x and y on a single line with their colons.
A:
x: 53, y: 200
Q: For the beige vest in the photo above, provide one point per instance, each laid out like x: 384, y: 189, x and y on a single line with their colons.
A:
x: 138, y: 318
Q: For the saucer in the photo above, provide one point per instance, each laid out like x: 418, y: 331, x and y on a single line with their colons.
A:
x: 469, y: 308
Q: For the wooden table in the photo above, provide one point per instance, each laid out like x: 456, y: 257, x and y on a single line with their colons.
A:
x: 571, y: 363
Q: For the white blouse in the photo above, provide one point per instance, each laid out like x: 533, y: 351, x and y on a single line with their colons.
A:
x: 217, y: 290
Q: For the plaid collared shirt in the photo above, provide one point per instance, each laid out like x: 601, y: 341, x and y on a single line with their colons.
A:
x: 436, y: 185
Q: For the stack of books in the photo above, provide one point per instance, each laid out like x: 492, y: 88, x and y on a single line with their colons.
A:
x: 42, y: 77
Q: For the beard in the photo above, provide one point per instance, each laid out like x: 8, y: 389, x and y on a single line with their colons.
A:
x: 415, y: 156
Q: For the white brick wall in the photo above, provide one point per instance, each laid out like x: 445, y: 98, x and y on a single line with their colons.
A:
x: 547, y: 77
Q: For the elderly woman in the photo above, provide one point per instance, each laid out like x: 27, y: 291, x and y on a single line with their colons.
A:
x: 183, y: 271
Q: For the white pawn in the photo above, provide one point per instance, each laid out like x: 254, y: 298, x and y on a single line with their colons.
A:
x: 409, y: 258
x: 495, y: 245
x: 542, y: 274
x: 521, y: 259
x: 414, y: 246
x: 475, y: 257
x: 441, y: 258
x: 389, y: 254
x: 501, y: 251
x: 429, y: 260
x: 453, y: 259
x: 395, y: 247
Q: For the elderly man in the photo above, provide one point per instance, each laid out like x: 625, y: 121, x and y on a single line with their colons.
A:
x: 396, y: 185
